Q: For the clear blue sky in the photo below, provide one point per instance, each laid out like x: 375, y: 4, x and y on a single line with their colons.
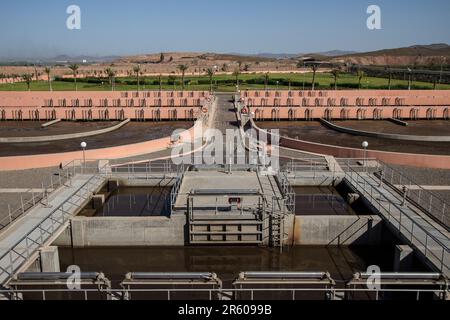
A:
x: 113, y: 27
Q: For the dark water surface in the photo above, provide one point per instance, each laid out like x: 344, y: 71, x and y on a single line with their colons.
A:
x: 314, y: 131
x: 134, y: 202
x: 227, y: 262
x: 133, y: 132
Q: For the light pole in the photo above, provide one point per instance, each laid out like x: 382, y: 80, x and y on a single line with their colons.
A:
x: 83, y: 146
x: 409, y: 78
x: 365, y: 145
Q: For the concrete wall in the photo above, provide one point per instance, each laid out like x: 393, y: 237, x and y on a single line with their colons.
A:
x: 349, y: 104
x: 337, y: 230
x: 162, y: 231
x: 124, y: 231
x: 95, y: 105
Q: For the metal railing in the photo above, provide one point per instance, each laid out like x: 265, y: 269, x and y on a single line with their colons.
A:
x: 216, y: 294
x: 47, y: 189
x: 145, y: 169
x: 28, y: 244
x: 288, y: 191
x: 305, y: 165
x: 430, y: 203
x: 425, y: 200
x: 424, y: 240
x: 176, y: 186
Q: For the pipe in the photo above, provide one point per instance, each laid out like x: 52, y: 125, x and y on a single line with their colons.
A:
x: 283, y: 275
x: 58, y: 275
x: 398, y: 275
x: 171, y: 275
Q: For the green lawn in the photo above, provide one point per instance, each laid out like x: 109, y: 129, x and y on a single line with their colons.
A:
x: 227, y: 83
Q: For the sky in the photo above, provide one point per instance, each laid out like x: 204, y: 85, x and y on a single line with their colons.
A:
x: 32, y: 29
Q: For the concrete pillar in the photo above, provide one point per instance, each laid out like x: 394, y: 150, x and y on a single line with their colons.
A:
x: 49, y: 259
x: 352, y: 198
x: 113, y: 185
x: 403, y: 258
x: 98, y: 201
x: 77, y: 229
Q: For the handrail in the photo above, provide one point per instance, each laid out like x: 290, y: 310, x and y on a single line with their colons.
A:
x: 439, y: 212
x: 413, y: 223
x: 39, y: 225
x: 37, y: 197
x: 212, y: 293
x: 426, y: 201
x: 176, y: 187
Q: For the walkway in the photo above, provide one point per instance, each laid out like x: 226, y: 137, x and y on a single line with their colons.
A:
x: 413, y: 225
x: 44, y: 222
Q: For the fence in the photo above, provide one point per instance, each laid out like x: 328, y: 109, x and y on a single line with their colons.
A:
x: 231, y: 294
x: 28, y: 244
x: 29, y: 198
x: 427, y: 201
x: 426, y: 241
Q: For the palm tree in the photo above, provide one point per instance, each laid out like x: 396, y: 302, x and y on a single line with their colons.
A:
x: 266, y: 81
x: 335, y: 73
x: 111, y: 74
x: 27, y: 78
x: 183, y: 68
x: 314, y: 69
x: 361, y: 74
x: 137, y: 70
x: 236, y: 74
x: 210, y: 73
x: 48, y: 70
x: 74, y: 67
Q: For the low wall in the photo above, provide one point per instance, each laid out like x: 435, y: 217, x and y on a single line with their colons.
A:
x: 337, y: 230
x: 406, y: 159
x: 385, y: 135
x: 162, y: 231
x: 63, y: 136
x: 124, y: 231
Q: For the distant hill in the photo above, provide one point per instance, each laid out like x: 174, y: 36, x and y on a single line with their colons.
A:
x: 89, y: 59
x: 414, y: 55
x: 278, y: 55
x: 336, y: 53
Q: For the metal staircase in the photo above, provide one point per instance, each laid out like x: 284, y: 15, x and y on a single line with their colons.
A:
x: 279, y: 203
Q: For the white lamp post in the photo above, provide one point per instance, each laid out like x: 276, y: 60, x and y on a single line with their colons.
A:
x: 409, y: 78
x: 365, y: 145
x: 83, y: 146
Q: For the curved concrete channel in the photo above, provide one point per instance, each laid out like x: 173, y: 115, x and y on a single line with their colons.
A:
x: 63, y: 136
x: 384, y: 135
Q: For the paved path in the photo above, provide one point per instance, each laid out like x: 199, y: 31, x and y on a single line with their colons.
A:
x: 430, y: 188
x: 43, y: 222
x: 428, y: 237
